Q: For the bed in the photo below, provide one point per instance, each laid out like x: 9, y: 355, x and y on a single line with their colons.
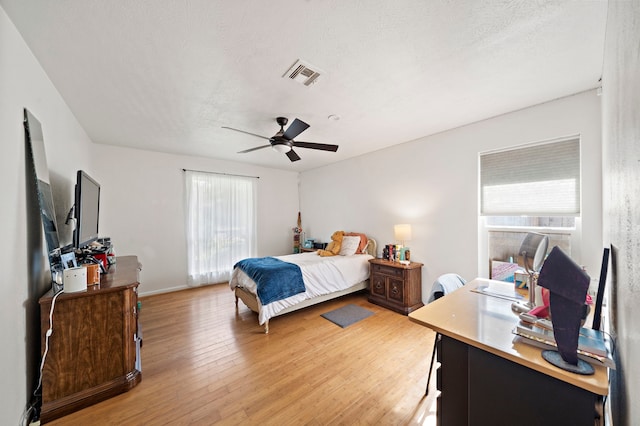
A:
x: 324, y: 278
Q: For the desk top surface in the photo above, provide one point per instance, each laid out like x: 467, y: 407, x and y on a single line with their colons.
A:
x: 486, y: 322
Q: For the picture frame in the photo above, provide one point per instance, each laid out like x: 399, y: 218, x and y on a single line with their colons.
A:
x: 68, y: 260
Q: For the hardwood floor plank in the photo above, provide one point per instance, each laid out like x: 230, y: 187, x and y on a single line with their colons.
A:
x: 203, y: 362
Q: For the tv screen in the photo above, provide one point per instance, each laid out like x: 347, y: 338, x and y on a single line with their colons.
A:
x: 87, y: 208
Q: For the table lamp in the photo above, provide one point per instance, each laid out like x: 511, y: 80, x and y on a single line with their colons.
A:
x: 531, y: 256
x: 402, y: 233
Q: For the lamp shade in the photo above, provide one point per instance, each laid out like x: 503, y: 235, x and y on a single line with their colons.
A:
x: 533, y: 250
x: 402, y: 232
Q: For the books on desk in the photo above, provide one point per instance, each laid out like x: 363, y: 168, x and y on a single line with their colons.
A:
x: 592, y: 345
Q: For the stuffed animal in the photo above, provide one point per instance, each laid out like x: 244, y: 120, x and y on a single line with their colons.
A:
x: 333, y: 248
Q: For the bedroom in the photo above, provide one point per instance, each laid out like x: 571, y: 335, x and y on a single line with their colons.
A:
x: 149, y: 183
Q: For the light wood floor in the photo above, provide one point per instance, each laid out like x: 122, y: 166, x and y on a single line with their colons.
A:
x: 204, y: 363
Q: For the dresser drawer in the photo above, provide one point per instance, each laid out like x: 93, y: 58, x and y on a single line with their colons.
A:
x: 387, y: 270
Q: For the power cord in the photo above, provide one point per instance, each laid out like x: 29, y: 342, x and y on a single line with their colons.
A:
x: 36, y: 397
x: 26, y: 414
x: 48, y: 334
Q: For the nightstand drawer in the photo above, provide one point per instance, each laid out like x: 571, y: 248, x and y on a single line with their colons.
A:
x: 378, y: 286
x: 396, y: 291
x: 387, y: 270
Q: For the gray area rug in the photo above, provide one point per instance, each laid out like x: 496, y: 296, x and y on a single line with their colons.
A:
x: 347, y: 315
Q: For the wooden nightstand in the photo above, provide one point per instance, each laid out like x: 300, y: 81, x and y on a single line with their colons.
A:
x: 395, y: 286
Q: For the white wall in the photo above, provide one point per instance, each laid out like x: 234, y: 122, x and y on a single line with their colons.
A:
x: 621, y: 122
x: 23, y: 83
x: 142, y: 209
x: 432, y: 184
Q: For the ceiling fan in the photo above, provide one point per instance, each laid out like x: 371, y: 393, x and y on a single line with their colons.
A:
x: 283, y: 140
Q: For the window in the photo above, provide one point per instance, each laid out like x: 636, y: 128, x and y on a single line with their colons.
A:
x: 220, y: 224
x: 535, y: 180
x: 529, y: 188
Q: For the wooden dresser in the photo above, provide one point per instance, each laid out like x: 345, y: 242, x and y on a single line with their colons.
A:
x: 395, y: 286
x: 94, y: 348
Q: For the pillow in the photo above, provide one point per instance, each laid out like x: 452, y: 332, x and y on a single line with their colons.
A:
x: 364, y: 249
x: 364, y: 241
x: 349, y: 245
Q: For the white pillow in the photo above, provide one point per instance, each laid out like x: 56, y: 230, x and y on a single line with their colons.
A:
x: 349, y: 245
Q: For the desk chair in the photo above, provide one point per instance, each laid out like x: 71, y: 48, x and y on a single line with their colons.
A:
x: 442, y: 286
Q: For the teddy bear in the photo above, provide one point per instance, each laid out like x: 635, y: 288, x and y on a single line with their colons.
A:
x: 333, y: 248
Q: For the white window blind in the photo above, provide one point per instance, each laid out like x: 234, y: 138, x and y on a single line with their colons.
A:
x: 538, y: 180
x: 220, y: 224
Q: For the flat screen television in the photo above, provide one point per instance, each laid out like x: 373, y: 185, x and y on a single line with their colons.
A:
x: 87, y: 210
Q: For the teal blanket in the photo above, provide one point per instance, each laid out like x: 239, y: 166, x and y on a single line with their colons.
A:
x: 275, y: 278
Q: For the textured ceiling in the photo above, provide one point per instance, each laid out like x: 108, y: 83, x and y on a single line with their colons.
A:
x: 166, y: 75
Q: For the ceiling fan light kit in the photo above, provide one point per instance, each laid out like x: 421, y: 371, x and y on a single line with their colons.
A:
x: 283, y: 142
x: 281, y: 148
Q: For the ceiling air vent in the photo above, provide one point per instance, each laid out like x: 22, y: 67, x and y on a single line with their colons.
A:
x: 303, y: 73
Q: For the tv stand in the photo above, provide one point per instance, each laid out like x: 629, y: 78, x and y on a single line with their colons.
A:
x: 94, y: 350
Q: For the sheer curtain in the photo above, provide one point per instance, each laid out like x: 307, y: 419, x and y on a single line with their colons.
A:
x: 220, y: 224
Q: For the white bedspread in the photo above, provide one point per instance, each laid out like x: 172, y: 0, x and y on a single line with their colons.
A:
x: 321, y: 275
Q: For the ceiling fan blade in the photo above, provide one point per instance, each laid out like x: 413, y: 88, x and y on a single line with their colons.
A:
x: 253, y: 149
x: 248, y: 133
x: 297, y: 127
x: 292, y: 155
x: 314, y: 145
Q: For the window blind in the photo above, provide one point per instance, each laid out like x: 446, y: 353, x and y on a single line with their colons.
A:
x: 538, y: 180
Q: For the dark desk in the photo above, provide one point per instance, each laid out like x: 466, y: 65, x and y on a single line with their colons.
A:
x: 486, y: 378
